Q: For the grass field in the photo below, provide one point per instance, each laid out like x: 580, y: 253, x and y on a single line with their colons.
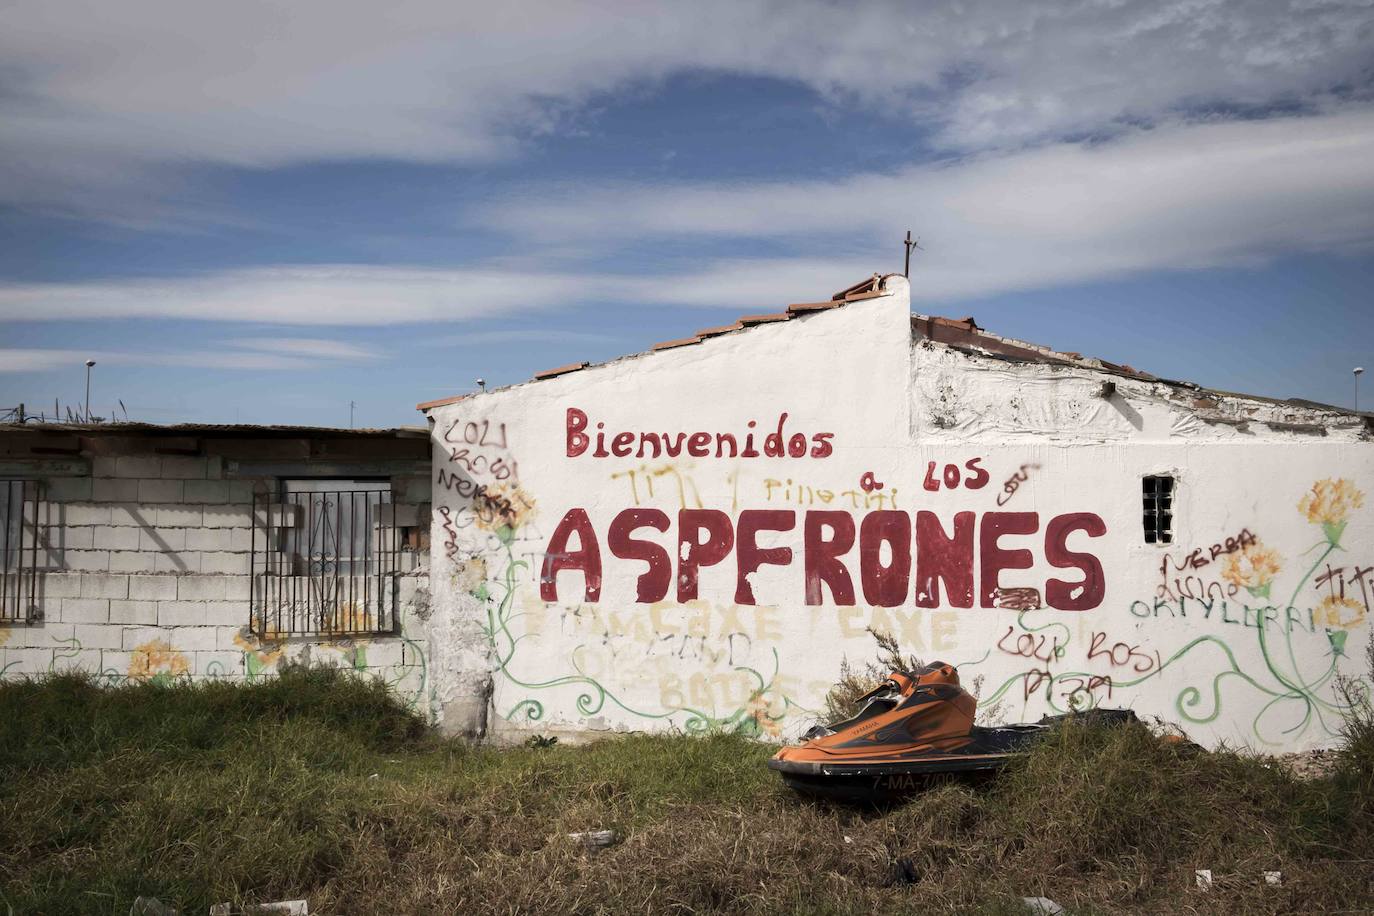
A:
x: 319, y: 785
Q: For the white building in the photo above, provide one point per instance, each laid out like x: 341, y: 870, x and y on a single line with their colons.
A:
x: 697, y: 536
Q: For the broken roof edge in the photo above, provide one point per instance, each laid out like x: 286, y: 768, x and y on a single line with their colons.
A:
x: 985, y: 343
x: 868, y: 288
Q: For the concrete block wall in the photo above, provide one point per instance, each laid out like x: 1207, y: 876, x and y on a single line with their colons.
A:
x: 146, y: 572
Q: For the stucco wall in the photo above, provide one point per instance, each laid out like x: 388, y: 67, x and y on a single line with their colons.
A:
x: 672, y: 635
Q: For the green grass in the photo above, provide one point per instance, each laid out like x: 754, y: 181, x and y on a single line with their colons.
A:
x: 319, y: 785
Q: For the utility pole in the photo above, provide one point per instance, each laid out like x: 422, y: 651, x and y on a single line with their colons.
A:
x: 90, y: 364
x: 1359, y: 370
x: 351, y: 405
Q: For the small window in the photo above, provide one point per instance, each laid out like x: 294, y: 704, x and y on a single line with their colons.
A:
x: 325, y: 559
x: 1157, y: 499
x: 22, y: 550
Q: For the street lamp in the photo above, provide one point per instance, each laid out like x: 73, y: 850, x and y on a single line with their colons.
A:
x: 90, y: 363
x: 1358, y: 370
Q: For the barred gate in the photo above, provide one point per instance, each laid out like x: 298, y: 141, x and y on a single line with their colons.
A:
x: 21, y: 503
x: 325, y: 562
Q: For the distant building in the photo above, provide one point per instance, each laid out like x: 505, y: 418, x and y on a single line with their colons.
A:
x: 136, y: 551
x: 699, y: 536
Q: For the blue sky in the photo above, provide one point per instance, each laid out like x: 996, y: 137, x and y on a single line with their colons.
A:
x: 259, y: 213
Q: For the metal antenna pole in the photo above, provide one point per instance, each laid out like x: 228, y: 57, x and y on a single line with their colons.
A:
x: 911, y: 245
x: 351, y: 405
x: 1359, y: 370
x: 89, y: 364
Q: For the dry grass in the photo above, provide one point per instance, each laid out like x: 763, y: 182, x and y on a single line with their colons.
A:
x: 208, y: 793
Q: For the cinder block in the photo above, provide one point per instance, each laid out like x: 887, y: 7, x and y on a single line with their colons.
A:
x: 114, y: 490
x: 69, y: 489
x: 200, y: 588
x: 160, y: 538
x: 185, y: 516
x: 160, y: 491
x: 87, y: 560
x: 104, y: 586
x: 74, y: 538
x: 219, y: 664
x: 60, y: 585
x: 194, y: 639
x: 241, y: 491
x: 232, y: 564
x: 99, y: 636
x: 153, y: 588
x: 85, y: 610
x: 138, y: 466
x: 227, y: 517
x: 206, y: 491
x: 142, y: 613
x: 211, y: 538
x: 243, y: 540
x: 46, y: 635
x: 132, y: 515
x: 133, y: 637
x: 84, y: 659
x: 115, y: 660
x: 132, y: 561
x: 27, y: 661
x: 108, y: 538
x: 383, y: 653
x: 227, y: 613
x: 214, y: 467
x: 238, y: 588
x: 417, y: 490
x: 183, y: 467
x: 74, y: 514
x: 103, y: 467
x: 186, y: 561
x: 181, y: 613
x: 395, y: 515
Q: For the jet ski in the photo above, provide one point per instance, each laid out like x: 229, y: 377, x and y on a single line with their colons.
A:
x: 914, y: 726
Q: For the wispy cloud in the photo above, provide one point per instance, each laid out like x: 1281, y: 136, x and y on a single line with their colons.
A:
x: 1178, y: 196
x: 39, y: 359
x: 1185, y: 196
x: 309, y: 347
x: 518, y: 335
x: 98, y: 107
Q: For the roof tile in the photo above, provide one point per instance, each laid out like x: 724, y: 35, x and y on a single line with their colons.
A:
x: 670, y: 344
x: 561, y: 370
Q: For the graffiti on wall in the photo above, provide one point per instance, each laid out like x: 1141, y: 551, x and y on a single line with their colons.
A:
x: 1297, y: 685
x: 669, y: 648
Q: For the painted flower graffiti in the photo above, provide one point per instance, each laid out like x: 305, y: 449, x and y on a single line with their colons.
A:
x: 1253, y: 569
x: 157, y: 661
x: 1329, y: 504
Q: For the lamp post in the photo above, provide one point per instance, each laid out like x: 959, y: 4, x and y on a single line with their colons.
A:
x: 1358, y: 370
x: 90, y: 363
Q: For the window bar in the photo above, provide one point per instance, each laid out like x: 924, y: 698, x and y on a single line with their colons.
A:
x: 29, y: 613
x: 5, y: 559
x: 352, y: 548
x: 367, y: 554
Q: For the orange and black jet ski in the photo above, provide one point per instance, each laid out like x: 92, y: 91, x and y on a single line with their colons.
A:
x: 912, y: 726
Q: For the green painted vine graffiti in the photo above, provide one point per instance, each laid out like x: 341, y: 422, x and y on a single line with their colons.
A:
x: 750, y: 718
x: 1327, y: 505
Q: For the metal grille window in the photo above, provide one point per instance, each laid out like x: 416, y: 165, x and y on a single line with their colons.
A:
x: 326, y: 556
x: 20, y: 536
x: 1157, y: 495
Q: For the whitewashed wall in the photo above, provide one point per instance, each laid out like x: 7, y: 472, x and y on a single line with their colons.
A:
x: 757, y: 655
